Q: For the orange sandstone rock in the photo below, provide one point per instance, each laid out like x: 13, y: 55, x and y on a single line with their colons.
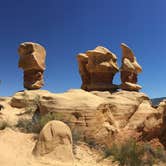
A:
x: 32, y: 61
x: 97, y: 68
x: 129, y: 70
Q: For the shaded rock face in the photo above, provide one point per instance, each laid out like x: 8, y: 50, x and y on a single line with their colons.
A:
x: 97, y: 68
x: 55, y: 142
x: 129, y: 70
x: 96, y: 115
x: 159, y: 131
x: 32, y: 61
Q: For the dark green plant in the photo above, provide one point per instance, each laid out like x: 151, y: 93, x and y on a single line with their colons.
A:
x: 26, y: 125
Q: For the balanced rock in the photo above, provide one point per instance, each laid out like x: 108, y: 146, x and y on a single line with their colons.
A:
x: 32, y: 61
x: 129, y: 70
x: 55, y: 142
x: 97, y: 68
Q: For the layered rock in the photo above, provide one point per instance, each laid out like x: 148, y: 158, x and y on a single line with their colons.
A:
x: 160, y: 130
x: 55, y: 142
x: 129, y: 70
x: 97, y: 68
x: 32, y: 61
x: 96, y: 115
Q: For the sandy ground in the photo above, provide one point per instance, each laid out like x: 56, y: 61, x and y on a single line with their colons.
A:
x: 16, y: 147
x: 16, y: 150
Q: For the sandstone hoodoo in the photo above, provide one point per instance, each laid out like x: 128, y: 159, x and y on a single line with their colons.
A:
x: 129, y: 70
x: 32, y: 61
x: 97, y: 68
x: 55, y: 142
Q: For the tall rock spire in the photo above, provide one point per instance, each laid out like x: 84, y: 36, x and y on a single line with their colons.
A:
x: 129, y: 70
x: 32, y: 61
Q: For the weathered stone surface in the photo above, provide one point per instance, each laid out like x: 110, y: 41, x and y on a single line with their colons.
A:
x: 32, y: 61
x: 97, y: 115
x: 129, y: 70
x: 97, y: 68
x: 55, y: 142
x: 160, y: 130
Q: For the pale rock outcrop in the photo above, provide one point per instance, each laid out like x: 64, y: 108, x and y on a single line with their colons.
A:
x: 32, y: 61
x: 129, y: 70
x: 97, y: 68
x: 161, y: 128
x: 16, y: 150
x: 97, y: 115
x: 55, y: 142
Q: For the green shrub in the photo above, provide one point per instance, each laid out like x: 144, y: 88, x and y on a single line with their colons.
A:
x: 27, y: 126
x: 44, y: 119
x: 132, y: 154
x: 128, y: 154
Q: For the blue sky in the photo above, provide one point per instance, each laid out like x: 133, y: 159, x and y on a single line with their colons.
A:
x: 67, y: 27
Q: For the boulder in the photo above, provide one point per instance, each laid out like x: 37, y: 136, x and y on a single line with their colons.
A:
x: 55, y: 142
x: 97, y: 68
x: 32, y: 61
x: 129, y: 70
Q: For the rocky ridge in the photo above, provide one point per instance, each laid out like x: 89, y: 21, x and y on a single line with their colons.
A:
x: 99, y: 115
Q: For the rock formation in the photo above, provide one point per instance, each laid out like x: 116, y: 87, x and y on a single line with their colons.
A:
x: 55, y: 141
x: 95, y: 115
x: 129, y: 70
x: 32, y: 61
x: 97, y: 68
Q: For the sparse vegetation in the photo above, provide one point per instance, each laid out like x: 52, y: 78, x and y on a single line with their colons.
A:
x: 36, y: 123
x: 131, y: 153
x: 77, y: 136
x: 91, y: 143
x: 30, y: 107
x: 26, y: 125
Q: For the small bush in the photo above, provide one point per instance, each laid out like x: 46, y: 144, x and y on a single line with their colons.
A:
x: 126, y: 154
x: 43, y: 120
x: 132, y: 154
x: 160, y: 154
x: 77, y: 136
x: 27, y: 126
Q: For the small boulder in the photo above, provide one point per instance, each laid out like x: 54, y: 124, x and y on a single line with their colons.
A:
x: 55, y: 142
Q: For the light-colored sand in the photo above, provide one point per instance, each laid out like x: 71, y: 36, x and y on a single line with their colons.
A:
x: 16, y: 150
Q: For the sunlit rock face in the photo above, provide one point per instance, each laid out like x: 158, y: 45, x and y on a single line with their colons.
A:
x: 32, y: 61
x: 129, y: 70
x: 55, y: 142
x: 97, y: 68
